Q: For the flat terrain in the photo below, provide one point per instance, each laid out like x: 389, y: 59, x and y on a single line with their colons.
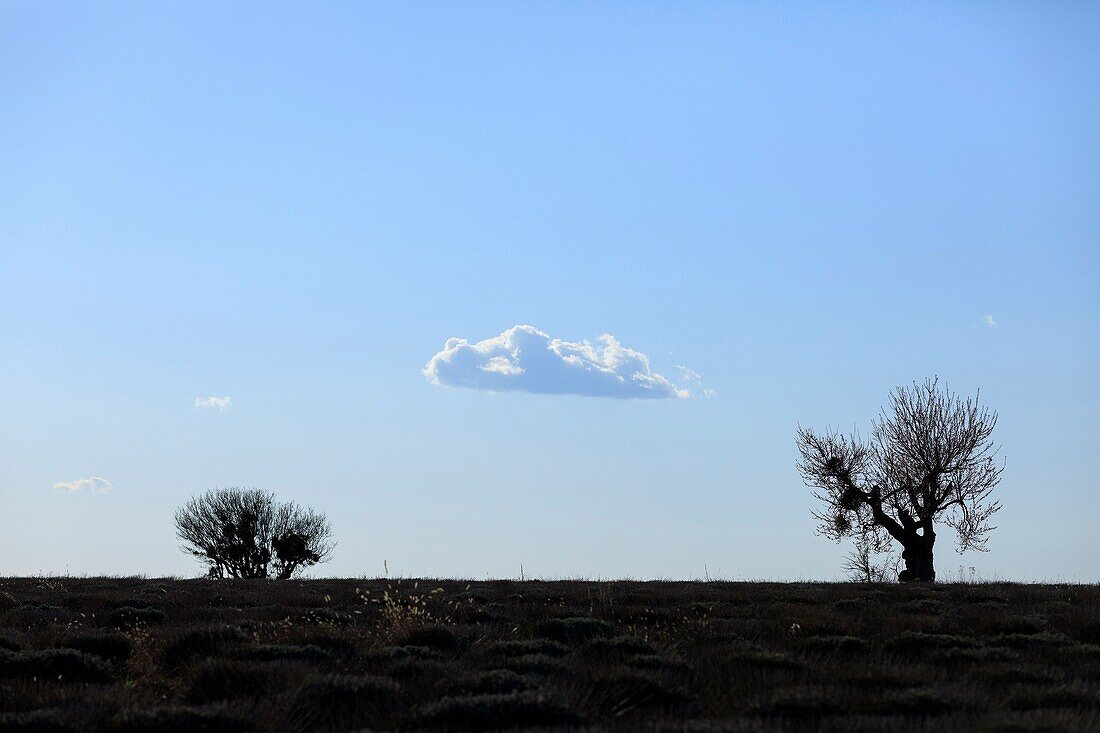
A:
x: 199, y: 655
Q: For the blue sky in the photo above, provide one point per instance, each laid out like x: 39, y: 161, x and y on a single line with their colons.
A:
x: 297, y: 207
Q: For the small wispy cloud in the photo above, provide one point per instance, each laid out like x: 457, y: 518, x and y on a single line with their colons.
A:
x: 216, y: 403
x: 525, y: 359
x: 990, y: 321
x: 690, y: 376
x: 92, y: 485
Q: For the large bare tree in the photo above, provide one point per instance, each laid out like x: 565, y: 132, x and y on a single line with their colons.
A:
x: 930, y: 459
x: 246, y: 533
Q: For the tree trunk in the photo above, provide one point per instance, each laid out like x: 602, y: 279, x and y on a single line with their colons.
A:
x: 918, y: 560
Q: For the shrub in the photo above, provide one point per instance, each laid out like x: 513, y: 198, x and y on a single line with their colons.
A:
x: 1017, y: 626
x: 337, y: 646
x: 475, y: 616
x: 875, y: 681
x: 67, y: 665
x: 432, y: 637
x: 1085, y: 650
x: 532, y: 664
x: 215, y: 680
x: 494, y: 681
x: 765, y: 659
x: 922, y: 606
x: 1089, y: 632
x: 572, y: 630
x: 36, y: 721
x: 343, y: 702
x: 178, y: 719
x: 619, y: 693
x: 981, y: 655
x: 711, y: 726
x: 916, y: 642
x: 405, y: 652
x: 528, y: 646
x: 37, y: 615
x: 196, y: 643
x: 127, y: 617
x: 834, y: 644
x: 1056, y: 697
x: 1020, y: 641
x: 1017, y: 675
x: 488, y: 712
x: 920, y: 703
x: 1026, y: 725
x: 418, y: 669
x: 700, y: 610
x: 326, y: 617
x: 620, y: 646
x: 112, y: 647
x: 799, y: 705
x: 653, y: 662
x: 245, y: 533
x: 848, y: 606
x: 284, y: 653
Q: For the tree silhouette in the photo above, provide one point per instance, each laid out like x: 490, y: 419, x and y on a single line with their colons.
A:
x: 930, y: 459
x: 245, y: 533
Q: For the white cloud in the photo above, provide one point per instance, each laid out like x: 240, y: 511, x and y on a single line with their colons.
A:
x: 217, y: 403
x: 990, y: 321
x: 526, y: 359
x: 92, y: 484
x: 689, y: 375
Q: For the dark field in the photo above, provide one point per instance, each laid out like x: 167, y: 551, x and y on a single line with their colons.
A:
x: 199, y: 655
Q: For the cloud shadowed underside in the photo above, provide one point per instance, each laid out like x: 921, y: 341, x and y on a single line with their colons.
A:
x: 525, y: 359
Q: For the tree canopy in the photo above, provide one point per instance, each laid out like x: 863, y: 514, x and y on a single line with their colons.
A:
x: 246, y: 533
x: 930, y: 459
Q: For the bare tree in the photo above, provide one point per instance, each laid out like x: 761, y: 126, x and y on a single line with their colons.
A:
x: 245, y: 533
x: 930, y: 459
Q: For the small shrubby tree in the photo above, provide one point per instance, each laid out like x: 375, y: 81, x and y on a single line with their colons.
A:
x: 246, y: 533
x: 930, y: 459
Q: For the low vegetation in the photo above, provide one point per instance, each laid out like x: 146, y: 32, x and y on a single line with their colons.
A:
x: 343, y: 655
